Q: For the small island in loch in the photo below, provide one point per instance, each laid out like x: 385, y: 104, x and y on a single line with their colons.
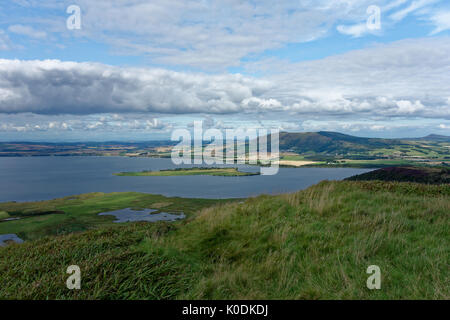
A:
x: 225, y: 172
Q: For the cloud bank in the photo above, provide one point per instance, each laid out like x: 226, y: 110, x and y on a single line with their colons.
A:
x: 213, y: 34
x: 405, y: 79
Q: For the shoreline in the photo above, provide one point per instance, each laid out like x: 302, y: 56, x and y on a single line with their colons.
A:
x: 286, y: 164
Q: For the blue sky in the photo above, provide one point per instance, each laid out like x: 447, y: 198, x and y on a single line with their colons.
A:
x: 139, y: 69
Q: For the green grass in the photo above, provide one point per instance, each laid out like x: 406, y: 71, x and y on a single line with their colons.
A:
x: 226, y: 172
x: 378, y: 163
x: 111, y: 267
x: 292, y: 157
x: 430, y: 175
x: 80, y: 213
x: 312, y: 244
x: 3, y: 215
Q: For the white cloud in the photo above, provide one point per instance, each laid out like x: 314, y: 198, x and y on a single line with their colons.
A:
x: 413, y: 6
x: 393, y: 4
x: 52, y: 87
x: 103, y: 123
x: 27, y: 31
x: 208, y: 35
x: 356, y: 30
x: 404, y: 79
x: 408, y: 107
x: 5, y: 42
x: 424, y: 9
x: 441, y: 20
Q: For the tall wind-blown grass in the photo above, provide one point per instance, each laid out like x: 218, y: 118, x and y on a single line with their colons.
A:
x: 312, y: 244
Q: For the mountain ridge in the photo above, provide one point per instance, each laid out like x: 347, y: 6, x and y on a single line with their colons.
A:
x: 334, y: 143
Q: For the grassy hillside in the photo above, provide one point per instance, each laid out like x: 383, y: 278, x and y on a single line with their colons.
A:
x: 325, y: 146
x: 306, y: 143
x: 80, y: 213
x: 435, y: 137
x: 312, y: 244
x: 407, y: 174
x: 329, y: 142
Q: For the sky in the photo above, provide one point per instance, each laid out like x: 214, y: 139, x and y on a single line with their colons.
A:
x: 84, y: 70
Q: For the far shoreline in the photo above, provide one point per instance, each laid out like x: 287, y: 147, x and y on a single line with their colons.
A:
x: 314, y: 164
x: 211, y: 171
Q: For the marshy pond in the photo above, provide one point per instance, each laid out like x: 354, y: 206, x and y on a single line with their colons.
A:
x: 4, y: 238
x: 130, y: 215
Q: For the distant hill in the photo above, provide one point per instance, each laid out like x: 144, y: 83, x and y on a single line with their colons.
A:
x: 325, y: 145
x: 430, y: 137
x: 326, y: 142
x: 436, y: 137
x: 407, y: 174
x: 317, y: 146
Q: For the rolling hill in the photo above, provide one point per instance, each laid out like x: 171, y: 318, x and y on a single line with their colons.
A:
x: 312, y: 244
x: 407, y: 174
x: 331, y: 142
x: 322, y: 145
x: 334, y: 143
x: 436, y: 137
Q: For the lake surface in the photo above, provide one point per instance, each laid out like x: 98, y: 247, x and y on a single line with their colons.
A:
x: 129, y: 215
x: 43, y: 178
x: 9, y: 237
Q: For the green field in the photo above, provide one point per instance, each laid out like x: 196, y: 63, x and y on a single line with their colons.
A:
x: 80, y: 213
x: 378, y: 163
x: 429, y: 175
x: 4, y: 215
x: 225, y: 172
x: 292, y: 157
x: 313, y: 244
